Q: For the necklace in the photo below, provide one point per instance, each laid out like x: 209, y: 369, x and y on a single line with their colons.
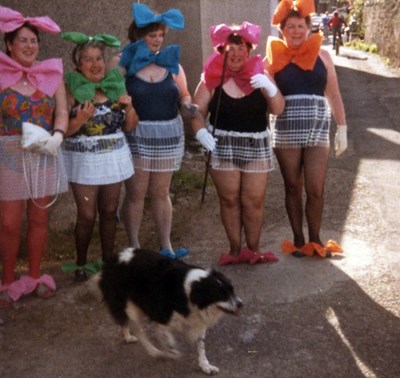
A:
x: 25, y: 83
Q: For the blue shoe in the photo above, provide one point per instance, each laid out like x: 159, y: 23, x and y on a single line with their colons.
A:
x: 181, y: 252
x: 168, y: 253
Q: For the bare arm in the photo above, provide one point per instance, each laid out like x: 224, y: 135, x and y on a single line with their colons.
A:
x: 332, y: 91
x: 276, y: 103
x: 181, y: 81
x: 131, y: 117
x: 61, y: 110
x: 202, y: 98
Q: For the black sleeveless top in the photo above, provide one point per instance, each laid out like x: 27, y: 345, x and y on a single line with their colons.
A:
x: 292, y: 80
x: 246, y: 114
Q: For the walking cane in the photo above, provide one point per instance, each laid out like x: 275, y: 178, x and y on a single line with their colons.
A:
x: 214, y: 126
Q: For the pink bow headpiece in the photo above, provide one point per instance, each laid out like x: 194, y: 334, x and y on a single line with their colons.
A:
x: 248, y: 31
x: 45, y: 76
x: 11, y: 20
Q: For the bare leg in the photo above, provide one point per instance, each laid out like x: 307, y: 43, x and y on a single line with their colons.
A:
x: 315, y: 170
x: 11, y: 215
x: 161, y: 207
x: 253, y: 189
x: 36, y: 236
x: 228, y: 189
x: 290, y: 161
x: 108, y: 200
x: 86, y: 200
x: 133, y: 205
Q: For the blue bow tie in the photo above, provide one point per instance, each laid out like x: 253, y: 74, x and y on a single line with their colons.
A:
x: 137, y: 55
x: 143, y: 16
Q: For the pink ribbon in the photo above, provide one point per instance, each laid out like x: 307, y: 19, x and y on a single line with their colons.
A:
x: 15, y: 289
x: 45, y: 76
x: 248, y: 31
x: 213, y: 70
x: 31, y: 284
x: 11, y: 20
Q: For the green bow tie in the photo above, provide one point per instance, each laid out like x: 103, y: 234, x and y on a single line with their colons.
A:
x: 112, y: 85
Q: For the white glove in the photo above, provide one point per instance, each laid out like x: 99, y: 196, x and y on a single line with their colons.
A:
x: 206, y: 139
x: 262, y: 81
x: 50, y: 148
x: 340, y: 143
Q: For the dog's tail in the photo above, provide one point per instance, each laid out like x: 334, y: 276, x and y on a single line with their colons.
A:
x: 93, y: 285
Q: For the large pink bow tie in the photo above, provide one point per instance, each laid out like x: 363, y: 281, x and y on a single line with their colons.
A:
x: 213, y: 71
x: 45, y: 76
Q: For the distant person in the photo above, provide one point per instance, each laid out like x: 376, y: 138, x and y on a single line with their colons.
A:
x: 96, y: 153
x: 306, y: 76
x: 236, y: 94
x: 336, y: 23
x: 31, y: 91
x: 325, y: 27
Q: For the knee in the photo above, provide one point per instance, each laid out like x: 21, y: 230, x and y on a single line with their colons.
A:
x: 315, y: 194
x: 108, y: 214
x: 86, y: 218
x: 230, y: 202
x: 293, y: 189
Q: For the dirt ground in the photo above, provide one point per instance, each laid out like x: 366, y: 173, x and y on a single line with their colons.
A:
x: 307, y: 317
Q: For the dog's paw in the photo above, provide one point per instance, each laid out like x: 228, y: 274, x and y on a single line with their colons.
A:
x: 173, y: 354
x: 128, y: 337
x: 209, y: 369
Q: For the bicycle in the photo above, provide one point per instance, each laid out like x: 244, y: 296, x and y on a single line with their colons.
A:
x: 337, y: 42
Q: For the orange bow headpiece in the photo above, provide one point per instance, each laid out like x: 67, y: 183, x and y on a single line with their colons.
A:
x: 304, y: 7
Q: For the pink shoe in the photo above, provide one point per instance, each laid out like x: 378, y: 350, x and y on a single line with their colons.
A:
x: 11, y: 292
x: 44, y: 286
x: 226, y: 259
x: 258, y: 257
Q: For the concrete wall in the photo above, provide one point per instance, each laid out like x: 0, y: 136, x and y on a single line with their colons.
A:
x: 114, y: 17
x: 382, y: 26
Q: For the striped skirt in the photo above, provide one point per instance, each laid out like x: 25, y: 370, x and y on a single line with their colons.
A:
x: 244, y: 152
x: 305, y: 122
x: 97, y: 160
x: 157, y: 146
x: 25, y: 175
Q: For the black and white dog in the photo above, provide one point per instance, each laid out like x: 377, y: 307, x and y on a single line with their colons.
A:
x: 141, y: 285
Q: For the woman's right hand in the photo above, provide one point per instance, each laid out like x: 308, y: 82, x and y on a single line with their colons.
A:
x: 206, y: 139
x: 84, y: 112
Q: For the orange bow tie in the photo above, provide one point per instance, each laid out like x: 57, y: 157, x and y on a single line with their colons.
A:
x: 279, y: 55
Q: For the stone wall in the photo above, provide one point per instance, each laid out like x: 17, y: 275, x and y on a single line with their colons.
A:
x: 382, y: 26
x: 114, y: 17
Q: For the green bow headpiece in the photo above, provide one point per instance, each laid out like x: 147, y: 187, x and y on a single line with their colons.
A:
x: 82, y: 38
x: 113, y: 85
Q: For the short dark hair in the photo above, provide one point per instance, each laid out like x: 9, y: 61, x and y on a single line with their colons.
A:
x: 235, y: 39
x: 135, y: 33
x: 296, y: 14
x: 10, y: 36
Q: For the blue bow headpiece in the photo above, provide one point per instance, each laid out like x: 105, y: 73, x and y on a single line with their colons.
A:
x: 143, y: 16
x: 137, y: 55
